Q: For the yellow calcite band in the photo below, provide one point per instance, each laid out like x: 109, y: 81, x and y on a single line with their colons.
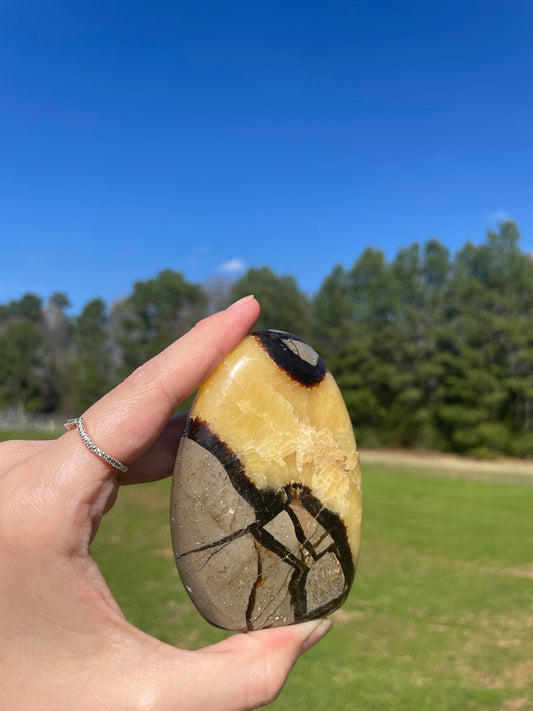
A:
x: 283, y: 431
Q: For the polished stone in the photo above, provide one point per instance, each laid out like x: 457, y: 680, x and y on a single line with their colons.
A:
x: 266, y: 494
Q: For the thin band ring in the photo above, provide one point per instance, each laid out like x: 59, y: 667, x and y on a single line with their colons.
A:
x: 77, y: 423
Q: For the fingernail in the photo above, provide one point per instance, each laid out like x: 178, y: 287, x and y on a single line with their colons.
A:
x: 244, y: 299
x: 319, y: 630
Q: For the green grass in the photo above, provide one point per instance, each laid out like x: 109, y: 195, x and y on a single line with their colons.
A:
x: 440, y: 617
x: 27, y: 434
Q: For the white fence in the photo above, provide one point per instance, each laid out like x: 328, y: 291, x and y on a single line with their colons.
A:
x: 14, y: 418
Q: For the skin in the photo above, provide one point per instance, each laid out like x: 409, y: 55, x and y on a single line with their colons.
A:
x: 64, y: 642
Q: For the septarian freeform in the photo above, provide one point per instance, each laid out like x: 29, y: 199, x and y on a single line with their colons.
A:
x: 266, y: 494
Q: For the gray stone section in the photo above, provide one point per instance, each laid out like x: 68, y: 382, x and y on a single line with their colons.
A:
x: 205, y: 508
x: 325, y: 581
x: 235, y: 580
x: 302, y: 350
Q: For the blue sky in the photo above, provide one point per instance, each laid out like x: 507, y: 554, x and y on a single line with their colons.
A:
x: 212, y: 136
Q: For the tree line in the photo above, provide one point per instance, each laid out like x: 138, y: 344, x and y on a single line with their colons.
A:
x: 430, y: 351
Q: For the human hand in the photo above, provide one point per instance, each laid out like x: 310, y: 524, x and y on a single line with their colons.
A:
x: 64, y: 642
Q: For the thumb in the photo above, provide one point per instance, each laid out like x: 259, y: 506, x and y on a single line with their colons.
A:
x: 248, y: 670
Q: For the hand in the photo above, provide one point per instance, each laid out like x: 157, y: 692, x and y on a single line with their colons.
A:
x: 64, y: 643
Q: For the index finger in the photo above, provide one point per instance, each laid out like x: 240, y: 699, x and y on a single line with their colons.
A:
x: 127, y: 421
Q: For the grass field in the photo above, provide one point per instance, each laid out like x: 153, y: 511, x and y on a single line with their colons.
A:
x: 441, y: 614
x: 440, y: 617
x: 27, y: 434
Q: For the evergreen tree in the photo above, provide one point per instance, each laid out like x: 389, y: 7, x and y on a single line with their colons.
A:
x: 428, y: 351
x: 283, y: 306
x: 25, y: 357
x: 159, y: 311
x: 23, y: 360
x: 92, y: 373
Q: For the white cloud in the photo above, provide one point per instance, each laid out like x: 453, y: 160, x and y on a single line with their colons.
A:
x: 498, y: 216
x: 232, y: 266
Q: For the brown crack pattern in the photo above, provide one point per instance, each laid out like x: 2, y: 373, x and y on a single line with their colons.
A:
x: 288, y: 560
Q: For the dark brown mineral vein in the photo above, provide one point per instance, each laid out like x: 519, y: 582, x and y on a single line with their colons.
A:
x: 267, y: 504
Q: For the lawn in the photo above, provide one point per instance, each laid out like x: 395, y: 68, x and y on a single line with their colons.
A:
x: 440, y: 617
x: 27, y: 434
x: 441, y: 614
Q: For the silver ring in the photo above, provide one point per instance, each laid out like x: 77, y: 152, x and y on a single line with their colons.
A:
x: 77, y: 423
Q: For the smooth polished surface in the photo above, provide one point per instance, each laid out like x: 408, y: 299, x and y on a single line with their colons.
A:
x: 266, y: 495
